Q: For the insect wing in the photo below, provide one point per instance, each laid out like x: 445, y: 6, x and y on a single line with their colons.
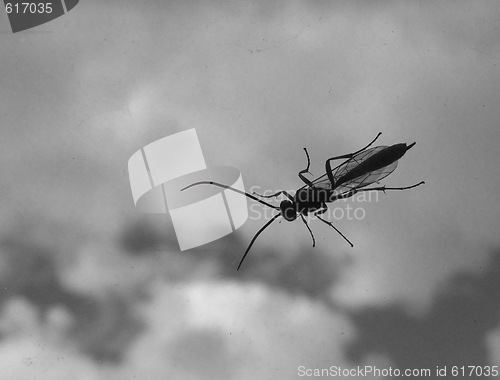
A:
x: 367, y: 179
x: 360, y: 181
x: 345, y: 167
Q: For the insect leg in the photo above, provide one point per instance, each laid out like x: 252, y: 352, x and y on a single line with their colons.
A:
x: 306, y: 170
x: 370, y: 144
x: 322, y: 211
x: 274, y: 195
x: 349, y: 155
x: 328, y: 168
x: 309, y: 228
x: 255, y: 237
x: 232, y: 189
x: 352, y: 192
x: 382, y: 188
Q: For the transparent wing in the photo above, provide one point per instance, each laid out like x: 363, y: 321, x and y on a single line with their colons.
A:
x: 358, y: 182
x: 367, y: 179
x: 345, y: 167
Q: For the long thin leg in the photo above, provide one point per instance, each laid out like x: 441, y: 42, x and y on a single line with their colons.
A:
x: 255, y: 237
x: 309, y: 228
x: 335, y: 228
x: 349, y: 155
x: 381, y: 188
x: 274, y: 195
x: 328, y: 166
x: 352, y: 192
x: 306, y: 170
x: 232, y: 189
x: 370, y: 144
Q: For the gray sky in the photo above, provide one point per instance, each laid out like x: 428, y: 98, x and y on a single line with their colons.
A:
x: 259, y: 81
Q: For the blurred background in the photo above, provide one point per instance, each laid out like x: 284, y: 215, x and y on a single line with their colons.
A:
x: 94, y: 289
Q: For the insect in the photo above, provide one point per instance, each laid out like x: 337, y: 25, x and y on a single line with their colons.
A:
x: 360, y: 169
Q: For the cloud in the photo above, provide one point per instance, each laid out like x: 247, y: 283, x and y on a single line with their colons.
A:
x: 459, y: 328
x: 493, y: 341
x: 32, y: 348
x: 192, y: 331
x: 225, y: 329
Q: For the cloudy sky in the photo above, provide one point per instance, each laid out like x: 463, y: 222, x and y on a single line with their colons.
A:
x: 92, y: 288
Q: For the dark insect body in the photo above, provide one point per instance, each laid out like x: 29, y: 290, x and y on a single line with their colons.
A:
x: 360, y: 169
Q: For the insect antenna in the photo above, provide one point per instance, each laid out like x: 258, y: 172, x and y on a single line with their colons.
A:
x: 255, y: 237
x: 232, y: 189
x: 249, y: 196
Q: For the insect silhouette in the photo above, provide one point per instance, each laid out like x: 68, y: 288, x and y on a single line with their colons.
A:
x: 360, y: 169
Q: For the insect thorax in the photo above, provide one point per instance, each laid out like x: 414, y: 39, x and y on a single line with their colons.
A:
x: 312, y: 198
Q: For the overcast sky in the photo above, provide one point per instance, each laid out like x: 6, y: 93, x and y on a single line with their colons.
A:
x: 95, y: 289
